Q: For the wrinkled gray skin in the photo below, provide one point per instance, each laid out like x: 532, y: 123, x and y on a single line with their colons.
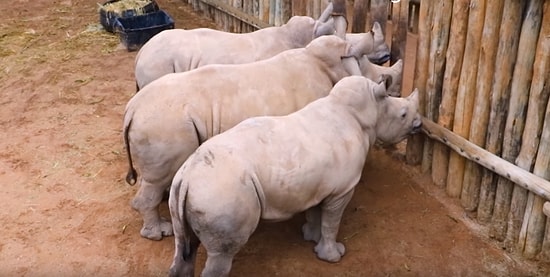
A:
x: 169, y: 118
x: 179, y: 50
x: 271, y: 168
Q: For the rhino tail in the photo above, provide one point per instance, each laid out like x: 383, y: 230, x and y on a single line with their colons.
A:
x: 131, y: 176
x: 186, y: 240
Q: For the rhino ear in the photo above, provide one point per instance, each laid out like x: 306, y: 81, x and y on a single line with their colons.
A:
x: 398, y: 65
x: 386, y: 79
x: 414, y: 96
x: 380, y: 89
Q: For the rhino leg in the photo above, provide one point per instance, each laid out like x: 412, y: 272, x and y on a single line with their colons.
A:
x: 312, y: 228
x: 158, y: 162
x: 218, y: 264
x: 222, y: 224
x: 184, y: 258
x: 328, y: 249
x: 223, y: 239
x: 146, y: 202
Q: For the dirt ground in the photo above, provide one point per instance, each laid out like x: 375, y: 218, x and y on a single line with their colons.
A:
x: 64, y: 85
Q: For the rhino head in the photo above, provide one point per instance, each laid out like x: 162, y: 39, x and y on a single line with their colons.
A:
x: 303, y: 29
x: 397, y: 117
x: 372, y: 44
x: 383, y: 118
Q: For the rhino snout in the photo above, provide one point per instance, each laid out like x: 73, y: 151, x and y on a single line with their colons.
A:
x: 378, y: 59
x: 417, y: 125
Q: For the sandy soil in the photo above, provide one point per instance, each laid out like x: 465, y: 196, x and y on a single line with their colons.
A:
x: 64, y: 85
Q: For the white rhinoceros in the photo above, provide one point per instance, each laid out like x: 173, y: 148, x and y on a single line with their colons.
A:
x: 169, y: 118
x: 273, y: 167
x: 179, y: 50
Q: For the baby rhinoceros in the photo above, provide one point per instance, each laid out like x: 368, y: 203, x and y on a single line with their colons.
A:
x: 167, y: 120
x: 179, y: 50
x: 272, y: 167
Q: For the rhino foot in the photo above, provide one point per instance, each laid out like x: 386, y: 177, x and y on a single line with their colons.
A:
x: 162, y: 228
x: 330, y: 252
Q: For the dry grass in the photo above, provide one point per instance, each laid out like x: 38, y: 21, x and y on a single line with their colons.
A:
x: 22, y: 49
x: 123, y: 5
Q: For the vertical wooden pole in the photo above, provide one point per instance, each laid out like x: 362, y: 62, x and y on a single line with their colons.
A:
x: 453, y: 67
x: 506, y: 57
x: 541, y: 79
x: 309, y: 8
x: 286, y: 10
x: 316, y: 8
x: 515, y: 124
x: 247, y: 5
x: 256, y: 8
x: 434, y: 83
x: 299, y: 7
x: 277, y: 14
x: 545, y: 251
x: 480, y: 117
x: 360, y: 8
x: 534, y: 220
x: 415, y: 143
x: 379, y: 12
x: 246, y: 8
x: 400, y: 19
x: 536, y: 136
x: 271, y: 14
x: 466, y: 93
x: 509, y: 31
x: 237, y: 24
x: 264, y: 10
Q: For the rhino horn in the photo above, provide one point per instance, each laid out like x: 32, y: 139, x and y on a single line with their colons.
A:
x: 324, y: 28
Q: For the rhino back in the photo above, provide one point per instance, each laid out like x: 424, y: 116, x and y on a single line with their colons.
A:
x: 305, y: 157
x: 220, y: 96
x: 179, y: 50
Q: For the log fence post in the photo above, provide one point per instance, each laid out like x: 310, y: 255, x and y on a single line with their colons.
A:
x: 500, y: 91
x: 434, y: 83
x: 480, y: 118
x: 517, y: 112
x: 415, y: 143
x: 440, y: 153
x: 466, y: 93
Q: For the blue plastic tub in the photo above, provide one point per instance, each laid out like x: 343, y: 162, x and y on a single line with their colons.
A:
x: 137, y: 30
x: 108, y: 18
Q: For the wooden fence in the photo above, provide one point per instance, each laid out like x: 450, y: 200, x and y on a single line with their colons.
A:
x: 484, y: 68
x: 489, y: 83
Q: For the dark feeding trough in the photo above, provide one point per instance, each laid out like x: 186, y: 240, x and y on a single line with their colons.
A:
x: 137, y: 30
x: 113, y: 9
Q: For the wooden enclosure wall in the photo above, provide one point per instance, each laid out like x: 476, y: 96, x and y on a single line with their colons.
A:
x: 484, y: 69
x: 486, y: 99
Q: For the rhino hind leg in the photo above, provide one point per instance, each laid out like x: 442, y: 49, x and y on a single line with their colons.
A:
x: 328, y: 249
x: 185, y: 255
x: 146, y: 202
x: 218, y: 265
x: 312, y: 228
x: 223, y: 243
